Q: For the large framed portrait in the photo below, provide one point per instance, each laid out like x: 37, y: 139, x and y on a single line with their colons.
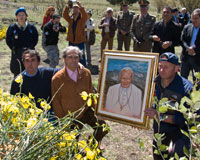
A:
x: 126, y: 86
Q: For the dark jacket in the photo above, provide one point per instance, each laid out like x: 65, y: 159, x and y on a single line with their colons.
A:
x: 18, y: 39
x: 171, y: 32
x: 39, y: 85
x: 177, y: 89
x: 186, y: 38
x: 51, y: 36
x: 112, y: 26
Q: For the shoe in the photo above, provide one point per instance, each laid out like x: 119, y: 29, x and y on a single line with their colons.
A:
x: 47, y: 61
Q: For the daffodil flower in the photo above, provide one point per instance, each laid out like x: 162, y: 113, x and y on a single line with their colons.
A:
x: 19, y: 79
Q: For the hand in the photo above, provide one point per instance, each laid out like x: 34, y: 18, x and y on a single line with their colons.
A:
x: 151, y: 112
x: 166, y: 44
x: 156, y: 38
x: 123, y: 32
x: 100, y: 118
x: 56, y: 28
x: 81, y: 67
x: 191, y: 51
x: 79, y: 4
x: 105, y: 24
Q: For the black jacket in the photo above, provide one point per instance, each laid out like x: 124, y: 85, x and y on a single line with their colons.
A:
x: 171, y: 32
x: 18, y: 39
x: 186, y: 38
x: 51, y: 36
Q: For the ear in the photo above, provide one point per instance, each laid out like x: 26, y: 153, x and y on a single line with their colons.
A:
x: 177, y: 68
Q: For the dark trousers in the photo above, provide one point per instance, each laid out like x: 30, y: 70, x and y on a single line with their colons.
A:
x: 16, y: 64
x: 90, y: 119
x: 189, y: 64
x: 123, y: 39
x: 81, y: 46
x: 179, y: 141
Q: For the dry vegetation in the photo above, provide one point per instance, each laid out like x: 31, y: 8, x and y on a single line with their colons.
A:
x: 122, y: 142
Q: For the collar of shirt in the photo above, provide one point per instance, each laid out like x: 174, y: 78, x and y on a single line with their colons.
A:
x: 24, y: 26
x: 72, y: 74
x: 28, y: 75
x: 194, y: 35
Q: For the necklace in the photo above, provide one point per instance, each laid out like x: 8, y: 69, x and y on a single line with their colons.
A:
x: 119, y: 94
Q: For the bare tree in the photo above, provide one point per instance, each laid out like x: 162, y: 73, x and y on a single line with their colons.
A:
x: 60, y: 4
x: 190, y: 4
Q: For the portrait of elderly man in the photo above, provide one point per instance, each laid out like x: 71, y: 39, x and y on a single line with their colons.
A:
x: 124, y: 98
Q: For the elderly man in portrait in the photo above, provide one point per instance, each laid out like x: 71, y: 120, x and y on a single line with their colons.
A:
x: 124, y: 98
x: 67, y: 85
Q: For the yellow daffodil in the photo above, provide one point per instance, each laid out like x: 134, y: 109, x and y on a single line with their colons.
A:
x: 78, y: 157
x: 90, y: 154
x: 195, y: 96
x: 19, y: 79
x: 84, y: 95
x: 89, y: 102
x: 53, y: 158
x: 31, y: 122
x: 30, y: 96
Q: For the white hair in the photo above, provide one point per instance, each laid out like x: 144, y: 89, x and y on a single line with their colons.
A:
x: 72, y: 48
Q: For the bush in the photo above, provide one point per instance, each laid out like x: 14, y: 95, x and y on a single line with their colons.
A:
x: 26, y: 133
x: 118, y: 1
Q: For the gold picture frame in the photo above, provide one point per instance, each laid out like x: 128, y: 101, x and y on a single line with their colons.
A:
x: 123, y: 104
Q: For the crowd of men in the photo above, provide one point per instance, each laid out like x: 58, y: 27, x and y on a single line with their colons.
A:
x: 66, y: 84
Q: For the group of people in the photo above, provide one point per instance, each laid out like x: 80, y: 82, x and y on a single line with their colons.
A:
x: 66, y: 84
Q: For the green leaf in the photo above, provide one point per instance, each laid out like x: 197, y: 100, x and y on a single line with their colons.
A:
x: 165, y: 156
x: 176, y: 156
x: 141, y: 143
x: 163, y: 147
x: 163, y: 109
x: 185, y: 133
x: 156, y: 152
x: 186, y: 152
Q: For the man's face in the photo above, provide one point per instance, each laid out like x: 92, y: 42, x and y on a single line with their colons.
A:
x: 126, y: 79
x: 56, y: 21
x: 21, y: 17
x: 125, y: 8
x: 167, y: 14
x: 72, y: 59
x: 167, y: 70
x: 143, y: 9
x: 31, y: 64
x: 196, y: 20
x: 76, y: 10
x: 109, y: 14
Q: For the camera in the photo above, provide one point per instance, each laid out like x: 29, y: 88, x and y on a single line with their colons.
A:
x: 71, y: 3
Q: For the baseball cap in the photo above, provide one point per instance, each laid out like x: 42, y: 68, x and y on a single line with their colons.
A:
x: 21, y: 9
x: 76, y: 5
x: 169, y: 57
x: 109, y: 9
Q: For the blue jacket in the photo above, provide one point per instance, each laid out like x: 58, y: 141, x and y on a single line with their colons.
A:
x: 177, y: 89
x: 39, y: 85
x: 18, y: 39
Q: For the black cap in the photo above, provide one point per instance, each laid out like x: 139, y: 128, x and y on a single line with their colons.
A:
x: 124, y: 3
x: 55, y: 16
x: 169, y: 57
x: 143, y: 2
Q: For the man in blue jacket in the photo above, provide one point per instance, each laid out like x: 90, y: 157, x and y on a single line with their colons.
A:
x: 20, y: 36
x: 172, y: 86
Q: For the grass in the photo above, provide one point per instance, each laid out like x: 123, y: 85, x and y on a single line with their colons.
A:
x: 122, y: 142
